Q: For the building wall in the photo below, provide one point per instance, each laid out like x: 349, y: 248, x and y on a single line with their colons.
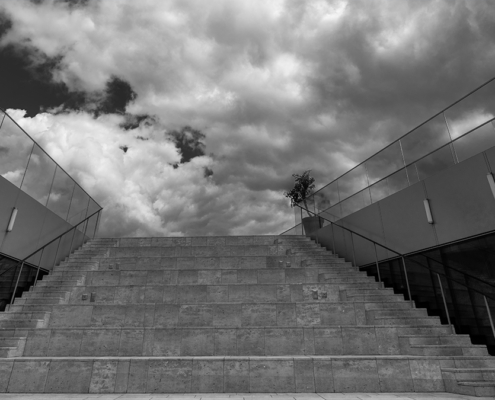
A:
x: 35, y: 226
x: 461, y: 202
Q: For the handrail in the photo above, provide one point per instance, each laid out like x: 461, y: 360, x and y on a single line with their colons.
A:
x: 56, y: 163
x: 16, y: 259
x: 412, y: 130
x: 401, y: 168
x: 402, y: 256
x: 42, y: 248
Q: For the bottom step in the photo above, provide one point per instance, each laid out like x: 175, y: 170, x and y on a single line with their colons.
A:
x: 324, y: 374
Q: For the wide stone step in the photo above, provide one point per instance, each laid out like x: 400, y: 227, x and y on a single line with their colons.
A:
x: 212, y: 315
x: 40, y: 300
x: 156, y: 342
x: 405, y: 320
x: 23, y: 315
x: 22, y: 323
x: 230, y: 375
x: 448, y: 350
x: 470, y: 381
x: 8, y: 351
x: 35, y: 294
x: 464, y: 340
x: 238, y: 293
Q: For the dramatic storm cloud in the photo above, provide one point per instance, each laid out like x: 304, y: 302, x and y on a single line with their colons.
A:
x: 189, y: 117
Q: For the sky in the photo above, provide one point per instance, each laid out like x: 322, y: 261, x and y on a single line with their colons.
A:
x: 189, y: 117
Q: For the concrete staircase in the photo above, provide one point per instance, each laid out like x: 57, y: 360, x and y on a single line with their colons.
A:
x: 227, y: 314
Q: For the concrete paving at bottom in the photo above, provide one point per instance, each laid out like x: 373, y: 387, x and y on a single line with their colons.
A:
x: 247, y: 396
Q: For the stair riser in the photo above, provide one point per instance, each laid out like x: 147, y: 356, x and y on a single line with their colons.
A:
x: 161, y: 342
x: 240, y: 376
x: 208, y: 316
x: 197, y: 294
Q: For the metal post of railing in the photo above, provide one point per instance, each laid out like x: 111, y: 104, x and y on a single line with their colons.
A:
x: 39, y: 266
x: 17, y: 283
x: 85, y: 230
x: 56, y: 253
x: 489, y: 315
x: 72, y: 241
x: 445, y: 303
x: 404, y: 161
x: 452, y: 148
x: 377, y: 264
x: 333, y: 238
x: 353, y: 251
x: 407, y: 279
x: 97, y: 225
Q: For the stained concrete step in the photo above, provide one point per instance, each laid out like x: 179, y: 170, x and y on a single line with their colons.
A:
x: 277, y: 374
x: 22, y: 323
x: 24, y: 315
x: 448, y: 350
x: 223, y: 315
x: 282, y: 341
x: 405, y: 320
x: 436, y: 340
x: 271, y: 340
x: 470, y: 381
x: 39, y: 300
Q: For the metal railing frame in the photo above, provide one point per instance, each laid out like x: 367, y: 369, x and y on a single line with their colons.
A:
x: 59, y: 238
x: 411, y: 131
x: 403, y: 262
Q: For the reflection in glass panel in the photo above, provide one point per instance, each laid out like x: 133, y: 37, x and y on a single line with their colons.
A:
x: 326, y: 197
x: 352, y: 204
x: 397, y: 181
x: 91, y: 228
x: 425, y: 139
x: 475, y: 142
x: 384, y: 163
x: 297, y: 215
x: 93, y: 207
x: 308, y: 203
x: 15, y: 148
x: 379, y: 190
x: 61, y: 193
x: 473, y: 111
x: 333, y: 213
x: 435, y: 162
x: 412, y: 173
x: 39, y: 175
x: 352, y: 182
x: 366, y: 193
x: 78, y: 206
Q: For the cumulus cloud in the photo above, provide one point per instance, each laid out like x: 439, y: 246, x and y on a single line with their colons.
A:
x: 275, y: 87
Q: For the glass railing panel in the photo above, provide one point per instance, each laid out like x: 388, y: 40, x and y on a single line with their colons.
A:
x: 334, y: 213
x: 397, y: 181
x: 78, y: 206
x: 61, y: 194
x: 327, y: 196
x: 471, y: 112
x: 366, y: 193
x: 352, y: 204
x: 435, y: 162
x: 384, y: 163
x: 379, y: 191
x: 15, y: 148
x: 475, y: 142
x: 297, y: 215
x: 352, y: 182
x: 412, y: 174
x: 39, y: 175
x: 91, y: 228
x: 425, y: 139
